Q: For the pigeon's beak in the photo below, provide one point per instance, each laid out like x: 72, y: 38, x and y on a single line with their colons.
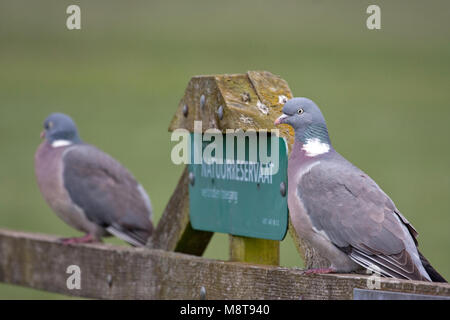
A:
x: 280, y: 119
x: 43, y: 134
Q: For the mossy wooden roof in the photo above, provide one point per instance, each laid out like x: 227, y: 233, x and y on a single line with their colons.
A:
x: 252, y: 100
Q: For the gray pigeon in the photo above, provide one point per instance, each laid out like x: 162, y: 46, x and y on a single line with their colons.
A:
x: 340, y: 210
x: 88, y: 189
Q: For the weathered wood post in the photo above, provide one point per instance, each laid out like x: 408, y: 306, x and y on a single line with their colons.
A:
x: 237, y: 101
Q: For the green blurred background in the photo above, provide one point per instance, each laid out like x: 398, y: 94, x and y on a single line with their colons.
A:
x: 385, y: 93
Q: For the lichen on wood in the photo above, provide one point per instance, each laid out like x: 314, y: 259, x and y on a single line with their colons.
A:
x: 239, y: 95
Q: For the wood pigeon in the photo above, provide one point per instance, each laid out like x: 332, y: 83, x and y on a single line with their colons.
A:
x: 88, y: 189
x: 340, y: 210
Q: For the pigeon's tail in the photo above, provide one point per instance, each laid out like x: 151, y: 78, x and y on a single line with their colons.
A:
x: 434, y: 275
x: 137, y: 238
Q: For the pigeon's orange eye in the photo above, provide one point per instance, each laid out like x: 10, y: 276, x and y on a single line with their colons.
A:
x: 300, y: 111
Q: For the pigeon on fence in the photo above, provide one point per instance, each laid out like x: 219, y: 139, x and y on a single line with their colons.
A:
x: 88, y: 189
x: 340, y: 210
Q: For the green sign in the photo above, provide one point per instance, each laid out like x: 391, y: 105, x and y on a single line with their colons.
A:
x: 243, y: 196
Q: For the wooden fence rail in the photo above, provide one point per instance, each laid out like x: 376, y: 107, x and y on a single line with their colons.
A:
x: 115, y: 272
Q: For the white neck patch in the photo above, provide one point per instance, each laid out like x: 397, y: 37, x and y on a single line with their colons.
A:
x: 61, y: 143
x: 315, y: 147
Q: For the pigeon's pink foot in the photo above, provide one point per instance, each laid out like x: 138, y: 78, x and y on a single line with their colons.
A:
x: 88, y: 238
x: 319, y: 271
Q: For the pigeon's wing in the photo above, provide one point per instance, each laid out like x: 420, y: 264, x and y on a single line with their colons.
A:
x: 360, y: 219
x: 108, y: 193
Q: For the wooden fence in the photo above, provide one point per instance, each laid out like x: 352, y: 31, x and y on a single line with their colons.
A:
x: 113, y: 272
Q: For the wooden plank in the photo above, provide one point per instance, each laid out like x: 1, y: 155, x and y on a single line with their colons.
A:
x: 174, y: 231
x: 251, y: 250
x: 241, y: 97
x: 113, y: 272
